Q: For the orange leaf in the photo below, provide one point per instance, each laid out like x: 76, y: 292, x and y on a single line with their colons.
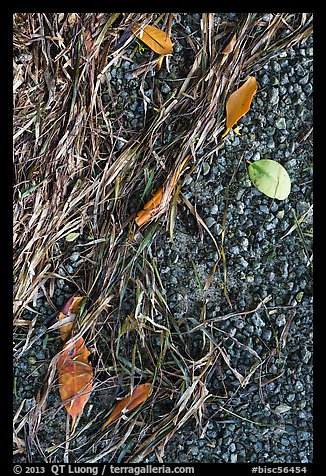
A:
x: 137, y: 397
x: 144, y: 215
x: 70, y: 309
x: 156, y: 200
x: 156, y: 39
x: 75, y: 377
x: 239, y: 102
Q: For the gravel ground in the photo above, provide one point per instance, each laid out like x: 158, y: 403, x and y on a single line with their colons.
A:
x: 271, y: 418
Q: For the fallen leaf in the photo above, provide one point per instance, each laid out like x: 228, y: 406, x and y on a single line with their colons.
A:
x: 138, y: 396
x: 159, y: 63
x: 155, y: 201
x: 158, y: 40
x: 239, y: 102
x: 153, y: 206
x: 72, y: 236
x: 270, y: 178
x: 229, y: 48
x: 75, y: 377
x: 144, y: 215
x: 70, y: 311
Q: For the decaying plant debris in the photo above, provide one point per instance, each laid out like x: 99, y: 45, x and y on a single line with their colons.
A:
x: 69, y: 178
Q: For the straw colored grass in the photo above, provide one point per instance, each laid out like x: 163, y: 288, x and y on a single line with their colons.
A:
x: 70, y: 177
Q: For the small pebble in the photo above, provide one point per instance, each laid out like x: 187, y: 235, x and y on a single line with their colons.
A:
x: 214, y: 210
x: 267, y: 334
x: 234, y: 458
x: 290, y: 397
x: 276, y: 66
x: 274, y: 96
x: 166, y: 88
x: 206, y: 168
x: 306, y: 356
x: 232, y: 447
x: 280, y: 123
x: 75, y: 256
x: 256, y: 319
x: 210, y: 221
x: 298, y: 386
x: 281, y: 320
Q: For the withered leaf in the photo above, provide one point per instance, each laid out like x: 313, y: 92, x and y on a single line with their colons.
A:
x: 229, y: 48
x: 70, y: 310
x: 153, y: 206
x: 138, y: 396
x: 239, y: 102
x: 144, y: 215
x: 159, y: 63
x: 75, y: 377
x: 158, y: 40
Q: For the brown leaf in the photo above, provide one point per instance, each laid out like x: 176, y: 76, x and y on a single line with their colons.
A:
x: 239, y: 102
x: 137, y: 397
x: 75, y: 377
x: 156, y: 39
x: 229, y: 48
x: 70, y: 310
x: 88, y: 40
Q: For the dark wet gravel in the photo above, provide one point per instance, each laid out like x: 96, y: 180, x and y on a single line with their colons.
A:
x: 268, y: 423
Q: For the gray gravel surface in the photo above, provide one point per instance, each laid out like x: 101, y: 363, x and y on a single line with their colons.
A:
x: 270, y: 419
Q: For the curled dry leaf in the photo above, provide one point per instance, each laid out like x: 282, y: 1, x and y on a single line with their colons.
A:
x: 144, y: 215
x: 75, y: 377
x: 70, y: 311
x: 151, y: 207
x: 239, y: 102
x: 138, y: 396
x: 229, y: 48
x: 158, y: 40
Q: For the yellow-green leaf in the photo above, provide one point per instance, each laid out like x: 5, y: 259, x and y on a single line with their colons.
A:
x: 239, y: 102
x: 270, y: 178
x: 72, y: 236
x: 156, y: 39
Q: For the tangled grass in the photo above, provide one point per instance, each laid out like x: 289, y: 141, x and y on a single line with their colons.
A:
x: 69, y: 177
